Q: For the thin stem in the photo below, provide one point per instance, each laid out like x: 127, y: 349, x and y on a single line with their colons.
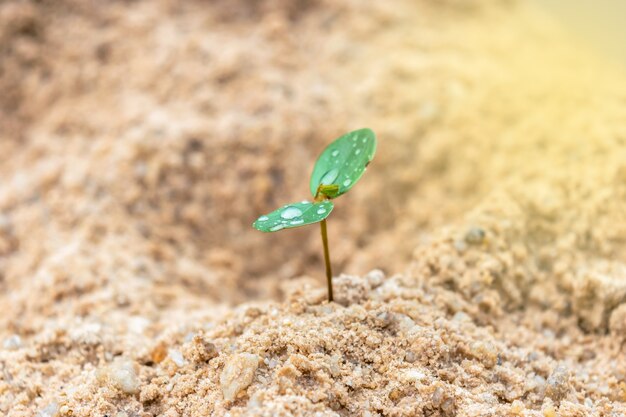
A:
x: 329, y: 272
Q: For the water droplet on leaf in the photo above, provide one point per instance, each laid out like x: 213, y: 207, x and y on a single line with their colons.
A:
x: 291, y: 213
x: 337, y: 163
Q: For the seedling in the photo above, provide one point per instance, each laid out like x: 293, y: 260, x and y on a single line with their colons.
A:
x: 337, y: 169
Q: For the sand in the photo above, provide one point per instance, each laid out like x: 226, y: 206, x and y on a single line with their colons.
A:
x: 480, y: 263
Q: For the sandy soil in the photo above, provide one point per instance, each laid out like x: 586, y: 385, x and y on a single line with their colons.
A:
x: 484, y: 252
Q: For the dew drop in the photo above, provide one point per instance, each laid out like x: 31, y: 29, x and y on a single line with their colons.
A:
x: 263, y: 219
x: 330, y: 176
x: 335, y: 153
x: 364, y: 140
x: 358, y: 151
x: 277, y: 227
x: 297, y: 221
x: 347, y: 182
x: 321, y: 210
x: 291, y: 213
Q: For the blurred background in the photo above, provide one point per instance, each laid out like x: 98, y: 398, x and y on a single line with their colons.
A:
x: 142, y: 139
x: 599, y: 24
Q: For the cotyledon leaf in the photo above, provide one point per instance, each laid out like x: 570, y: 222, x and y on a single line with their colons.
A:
x: 294, y: 215
x: 343, y: 162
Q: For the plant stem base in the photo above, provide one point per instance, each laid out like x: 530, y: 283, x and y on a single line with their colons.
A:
x: 329, y: 271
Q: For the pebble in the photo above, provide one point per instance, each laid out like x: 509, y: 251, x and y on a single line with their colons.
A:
x: 121, y: 373
x: 238, y: 374
x: 437, y: 397
x: 486, y: 352
x: 538, y: 384
x: 404, y: 322
x: 335, y: 366
x: 448, y: 407
x: 410, y: 357
x: 176, y: 357
x: 413, y: 375
x: 375, y: 278
x: 475, y: 236
x: 384, y: 318
x: 12, y: 342
x: 557, y: 385
x: 50, y: 410
x: 271, y: 363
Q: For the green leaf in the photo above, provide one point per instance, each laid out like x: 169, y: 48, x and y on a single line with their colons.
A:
x: 294, y: 215
x: 344, y: 161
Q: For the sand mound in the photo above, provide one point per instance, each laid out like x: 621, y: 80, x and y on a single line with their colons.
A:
x: 484, y: 251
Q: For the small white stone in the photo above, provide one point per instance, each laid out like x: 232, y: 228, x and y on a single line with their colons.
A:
x: 50, y: 410
x: 13, y: 342
x: 375, y: 278
x: 176, y: 357
x: 237, y: 374
x: 414, y: 375
x: 122, y: 374
x: 404, y: 322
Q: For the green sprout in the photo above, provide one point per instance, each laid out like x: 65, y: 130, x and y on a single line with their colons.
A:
x: 337, y: 169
